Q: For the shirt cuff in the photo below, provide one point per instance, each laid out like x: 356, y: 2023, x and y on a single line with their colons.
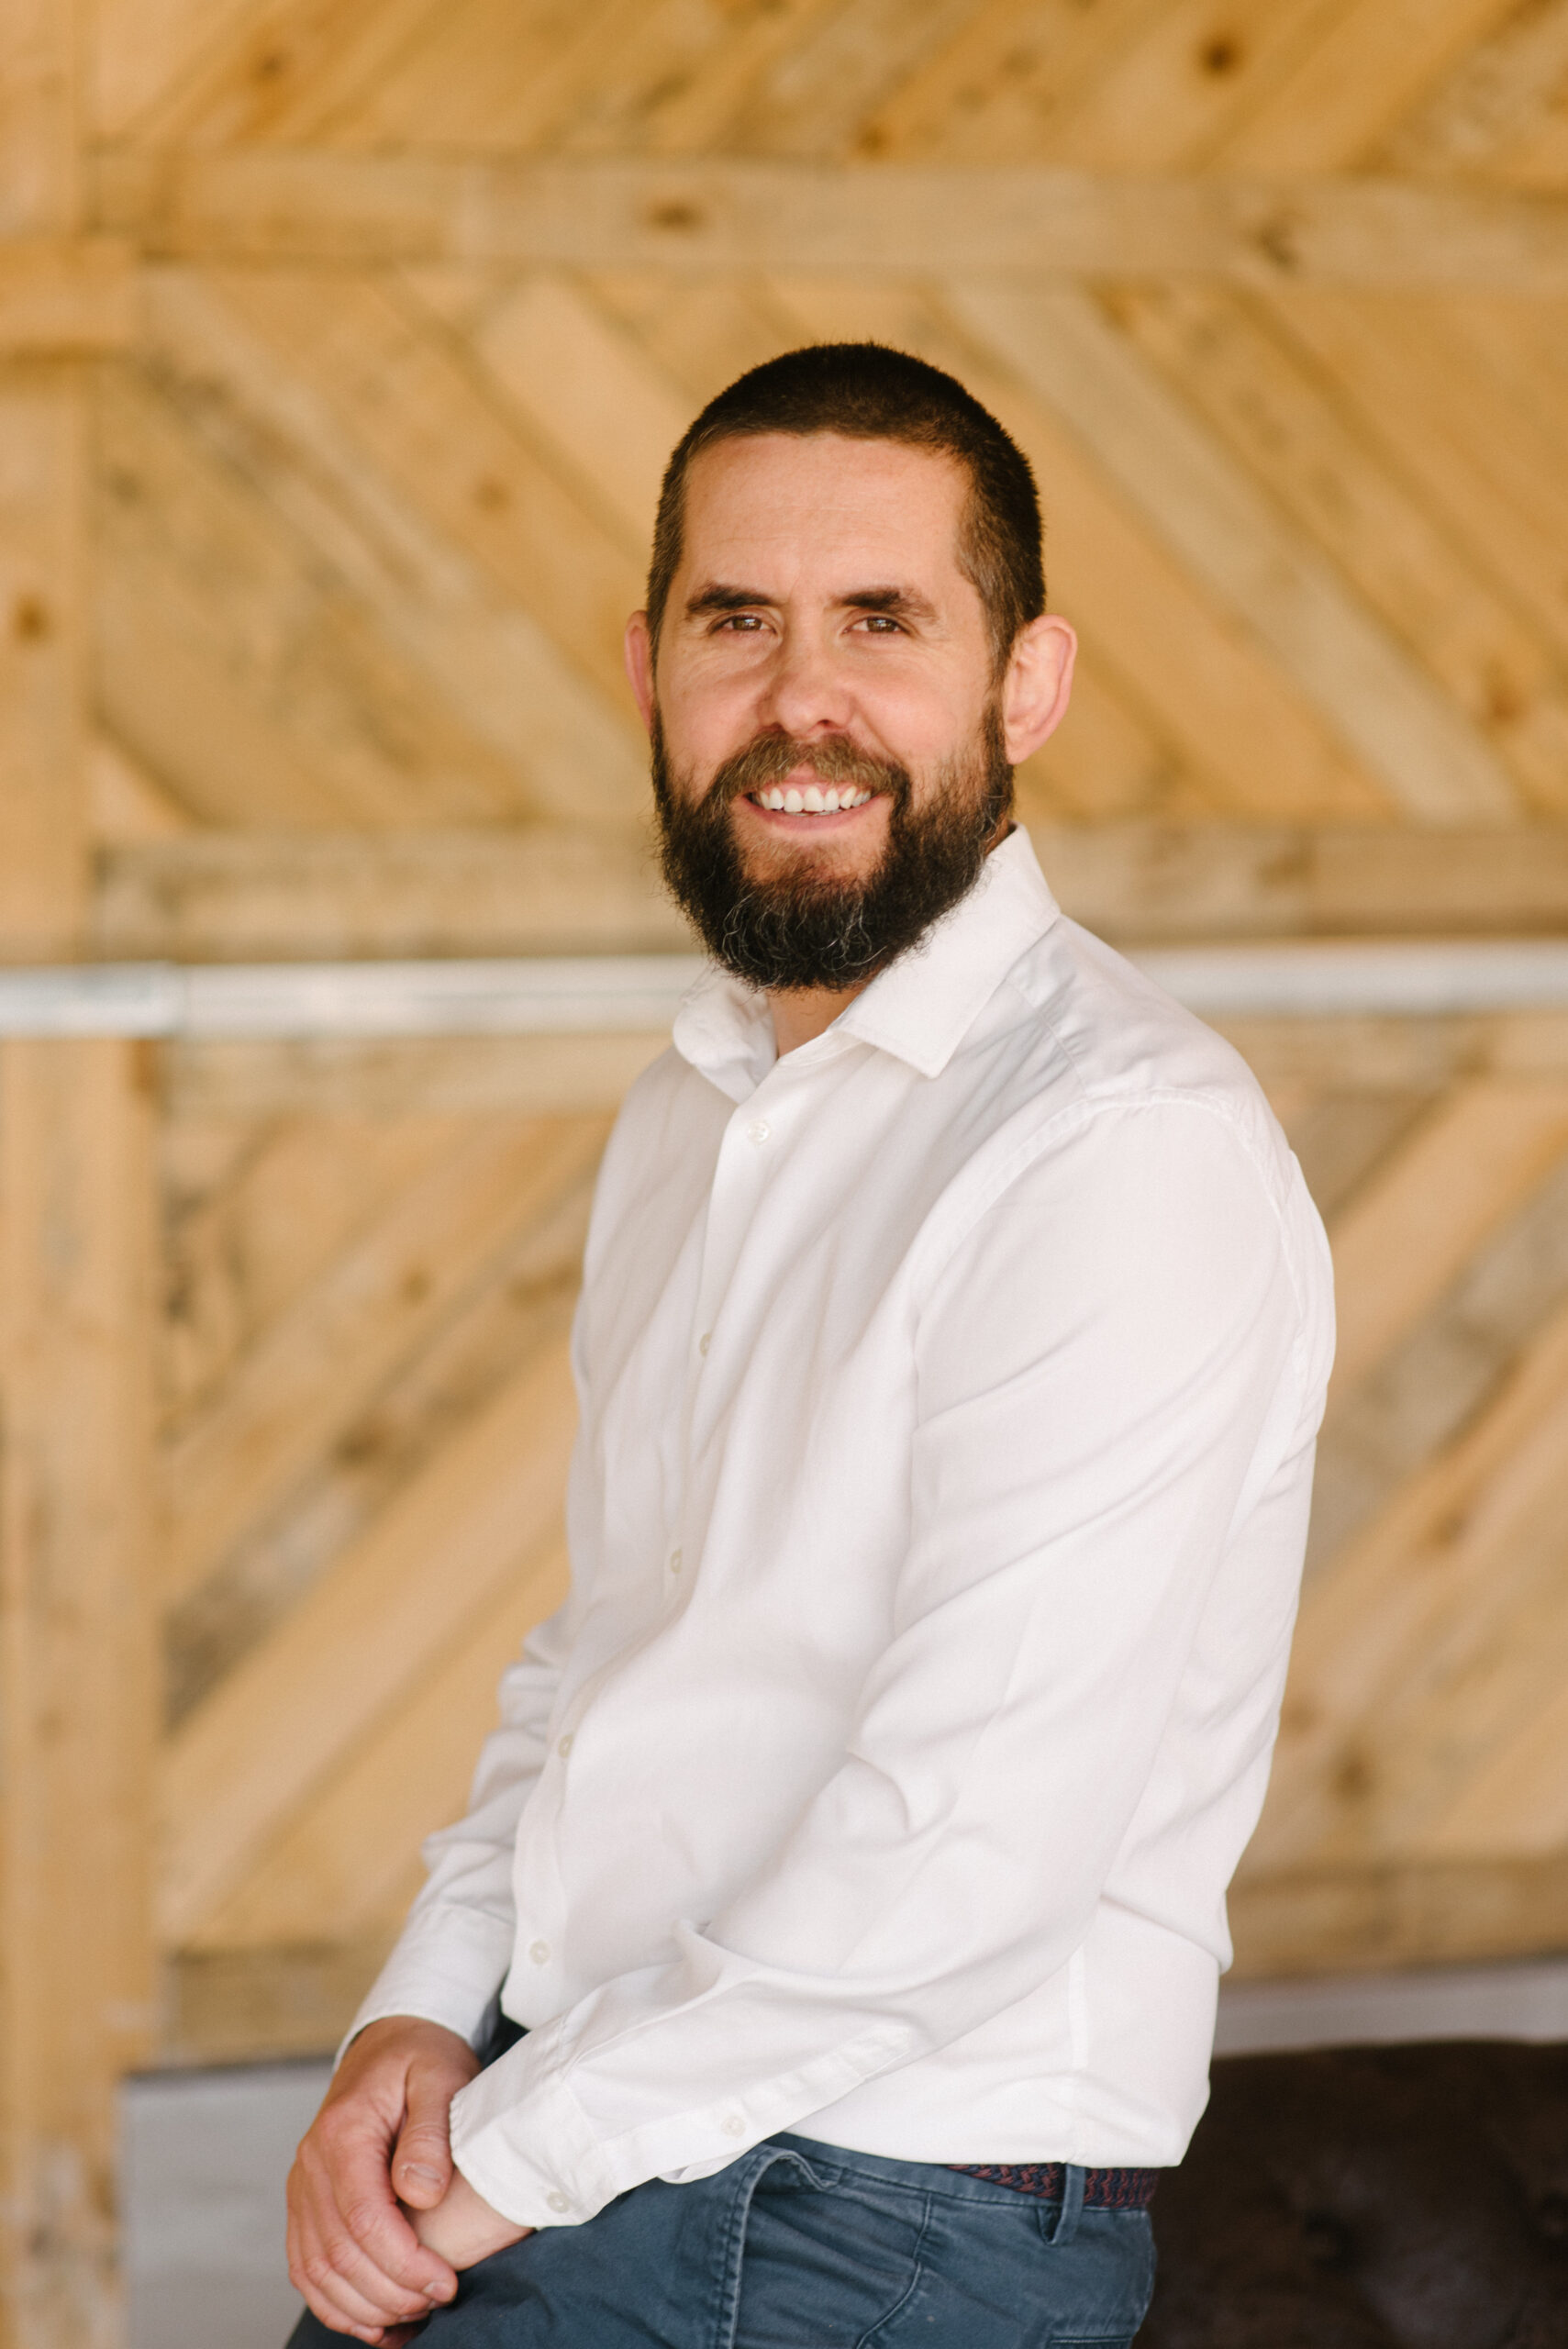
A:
x: 447, y: 1966
x: 523, y: 2142
x: 523, y: 2139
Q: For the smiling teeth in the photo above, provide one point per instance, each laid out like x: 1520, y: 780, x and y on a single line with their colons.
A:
x: 812, y: 801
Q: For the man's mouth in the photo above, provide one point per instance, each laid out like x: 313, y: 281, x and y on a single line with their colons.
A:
x: 812, y: 801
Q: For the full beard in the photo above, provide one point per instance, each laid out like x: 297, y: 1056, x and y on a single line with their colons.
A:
x: 814, y: 929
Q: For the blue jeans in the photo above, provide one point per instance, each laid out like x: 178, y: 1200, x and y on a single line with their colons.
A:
x: 801, y: 2245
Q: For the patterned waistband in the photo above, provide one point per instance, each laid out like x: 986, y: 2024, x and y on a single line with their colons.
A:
x: 1103, y: 2189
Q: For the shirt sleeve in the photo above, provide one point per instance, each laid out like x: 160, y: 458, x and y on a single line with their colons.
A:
x: 1109, y: 1370
x: 452, y: 1956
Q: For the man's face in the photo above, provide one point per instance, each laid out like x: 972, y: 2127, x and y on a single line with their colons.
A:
x: 828, y: 748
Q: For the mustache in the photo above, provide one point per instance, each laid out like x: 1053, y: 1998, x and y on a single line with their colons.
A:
x: 769, y: 758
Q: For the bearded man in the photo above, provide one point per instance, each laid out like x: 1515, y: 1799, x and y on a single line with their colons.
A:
x: 830, y: 1956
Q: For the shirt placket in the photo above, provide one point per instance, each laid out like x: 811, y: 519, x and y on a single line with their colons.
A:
x: 747, y: 1157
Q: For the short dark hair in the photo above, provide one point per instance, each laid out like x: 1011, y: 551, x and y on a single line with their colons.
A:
x: 868, y: 391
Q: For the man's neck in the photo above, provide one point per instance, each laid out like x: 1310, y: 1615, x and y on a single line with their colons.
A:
x: 800, y: 1013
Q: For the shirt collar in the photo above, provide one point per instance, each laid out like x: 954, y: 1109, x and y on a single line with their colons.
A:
x: 920, y: 1009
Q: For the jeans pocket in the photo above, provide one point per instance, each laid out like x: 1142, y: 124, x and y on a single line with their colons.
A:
x: 824, y: 2263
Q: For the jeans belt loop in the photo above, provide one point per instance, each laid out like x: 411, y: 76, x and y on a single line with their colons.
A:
x: 1072, y: 2209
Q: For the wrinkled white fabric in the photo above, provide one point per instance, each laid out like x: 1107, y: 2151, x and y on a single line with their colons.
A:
x: 948, y: 1391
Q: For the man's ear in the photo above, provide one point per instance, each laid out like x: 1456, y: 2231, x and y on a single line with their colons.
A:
x: 1038, y: 685
x: 638, y: 656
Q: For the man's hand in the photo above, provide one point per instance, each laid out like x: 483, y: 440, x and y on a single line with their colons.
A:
x: 379, y: 2139
x: 463, y: 2227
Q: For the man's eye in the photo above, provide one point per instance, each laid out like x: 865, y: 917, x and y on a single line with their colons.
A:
x: 881, y: 624
x: 749, y: 621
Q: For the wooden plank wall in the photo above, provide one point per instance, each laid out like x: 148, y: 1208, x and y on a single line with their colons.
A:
x: 341, y: 345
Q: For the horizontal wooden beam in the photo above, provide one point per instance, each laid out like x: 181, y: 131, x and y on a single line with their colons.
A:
x: 67, y: 297
x: 442, y: 1077
x: 1342, y: 1921
x: 233, y: 897
x: 317, y: 205
x: 1171, y: 884
x: 288, y: 897
x: 234, y: 2006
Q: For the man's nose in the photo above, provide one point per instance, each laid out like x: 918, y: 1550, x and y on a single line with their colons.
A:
x: 807, y: 691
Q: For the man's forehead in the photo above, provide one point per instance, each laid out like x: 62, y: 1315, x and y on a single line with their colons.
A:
x: 823, y: 493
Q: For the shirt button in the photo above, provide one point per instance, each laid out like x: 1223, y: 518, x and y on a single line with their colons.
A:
x: 674, y: 1562
x: 758, y: 1131
x: 565, y: 1748
x: 558, y: 2202
x: 734, y: 2126
x: 705, y: 1342
x: 540, y: 1953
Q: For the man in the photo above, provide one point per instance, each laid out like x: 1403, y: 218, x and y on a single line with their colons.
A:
x: 955, y: 1330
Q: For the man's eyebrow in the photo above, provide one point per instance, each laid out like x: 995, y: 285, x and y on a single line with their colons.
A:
x: 716, y: 597
x: 900, y: 602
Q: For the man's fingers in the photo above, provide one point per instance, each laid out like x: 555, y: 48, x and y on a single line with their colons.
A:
x: 342, y: 2285
x: 422, y: 2157
x: 351, y: 2251
x: 336, y: 2298
x: 346, y: 2225
x: 422, y: 2160
x: 350, y: 2189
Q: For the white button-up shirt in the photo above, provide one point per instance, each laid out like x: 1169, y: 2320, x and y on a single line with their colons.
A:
x: 949, y: 1390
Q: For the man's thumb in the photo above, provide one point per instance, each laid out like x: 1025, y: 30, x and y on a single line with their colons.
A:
x: 422, y: 2157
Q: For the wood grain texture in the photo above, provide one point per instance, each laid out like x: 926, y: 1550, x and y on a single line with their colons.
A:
x: 1352, y: 1921
x: 1443, y: 596
x: 489, y: 660
x: 411, y: 404
x: 1494, y: 113
x: 1348, y: 90
x: 1406, y: 1235
x: 1405, y: 731
x: 1383, y: 1620
x: 40, y: 118
x: 214, y: 897
x: 1449, y: 1363
x: 1168, y: 95
x: 254, y: 1215
x: 523, y: 1303
x: 349, y: 1861
x: 142, y: 49
x: 43, y: 622
x: 67, y: 297
x: 245, y: 1760
x: 537, y: 1077
x: 245, y: 672
x: 316, y: 1367
x: 324, y: 206
x: 1445, y: 387
x: 78, y: 1675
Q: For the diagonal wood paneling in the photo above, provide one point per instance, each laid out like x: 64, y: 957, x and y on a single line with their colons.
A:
x: 1437, y: 593
x: 295, y: 1393
x: 348, y: 1857
x: 1499, y: 111
x: 376, y: 447
x: 255, y: 1751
